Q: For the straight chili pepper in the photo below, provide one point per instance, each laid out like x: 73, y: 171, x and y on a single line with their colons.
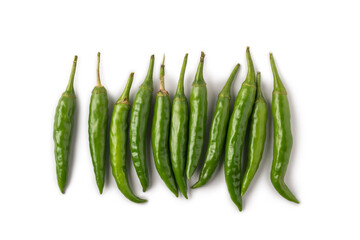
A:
x: 283, y: 140
x: 179, y: 132
x: 138, y: 126
x: 160, y: 134
x: 236, y: 133
x: 257, y: 136
x: 217, y: 132
x: 63, y: 127
x: 197, y: 125
x: 98, y: 125
x: 118, y: 143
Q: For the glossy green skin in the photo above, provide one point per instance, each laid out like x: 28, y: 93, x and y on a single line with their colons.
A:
x: 98, y: 125
x: 197, y: 125
x: 257, y: 137
x: 160, y: 140
x: 179, y: 133
x: 63, y: 128
x: 118, y: 144
x: 236, y: 134
x: 283, y: 140
x: 217, y: 132
x: 138, y: 127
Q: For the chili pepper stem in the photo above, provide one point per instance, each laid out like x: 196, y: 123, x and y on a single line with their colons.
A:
x: 150, y: 70
x: 199, y: 79
x: 259, y: 94
x: 202, y: 57
x: 162, y: 75
x: 98, y: 71
x: 226, y: 89
x: 278, y: 85
x: 180, y: 87
x: 125, y: 94
x: 251, y: 70
x: 70, y: 86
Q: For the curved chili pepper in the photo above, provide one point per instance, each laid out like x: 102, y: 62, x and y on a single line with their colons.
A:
x: 179, y: 132
x: 197, y: 125
x: 138, y: 126
x: 236, y: 133
x: 118, y: 143
x: 98, y: 125
x: 160, y: 134
x: 217, y: 132
x: 282, y: 135
x: 63, y: 126
x: 257, y: 136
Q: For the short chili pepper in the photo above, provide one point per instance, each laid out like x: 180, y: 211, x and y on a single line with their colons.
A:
x: 179, y: 132
x: 63, y: 127
x: 217, y: 134
x: 138, y: 126
x: 160, y: 134
x: 197, y: 125
x: 257, y: 136
x: 118, y: 143
x: 98, y: 125
x: 236, y: 133
x: 283, y: 140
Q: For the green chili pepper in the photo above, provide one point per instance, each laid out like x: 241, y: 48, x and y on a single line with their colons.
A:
x: 179, y: 132
x: 98, y: 125
x: 282, y: 135
x: 197, y: 125
x: 257, y: 137
x: 217, y: 132
x: 160, y: 134
x: 118, y: 142
x: 63, y: 126
x: 138, y: 126
x: 236, y: 133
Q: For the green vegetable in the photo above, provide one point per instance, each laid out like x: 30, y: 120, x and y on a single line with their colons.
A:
x: 118, y: 142
x: 179, y: 132
x: 236, y: 133
x: 257, y: 137
x: 63, y: 126
x: 198, y: 111
x: 98, y: 125
x: 282, y: 136
x: 138, y: 126
x: 160, y: 134
x: 217, y: 132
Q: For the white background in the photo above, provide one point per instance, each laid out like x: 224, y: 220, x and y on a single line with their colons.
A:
x: 316, y: 45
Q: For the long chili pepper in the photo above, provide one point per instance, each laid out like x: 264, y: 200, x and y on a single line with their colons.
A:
x: 217, y: 132
x: 138, y: 126
x: 179, y: 132
x: 197, y: 125
x: 257, y: 136
x: 283, y: 140
x: 160, y: 134
x: 98, y: 125
x: 236, y: 133
x: 118, y: 142
x: 63, y: 126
